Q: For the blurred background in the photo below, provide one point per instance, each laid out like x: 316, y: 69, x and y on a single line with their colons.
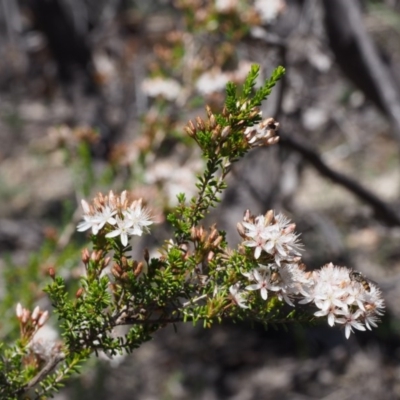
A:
x: 94, y: 95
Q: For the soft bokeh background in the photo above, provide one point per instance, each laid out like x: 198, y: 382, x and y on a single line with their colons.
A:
x: 94, y: 95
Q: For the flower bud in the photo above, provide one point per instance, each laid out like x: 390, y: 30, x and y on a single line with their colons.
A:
x: 190, y: 132
x: 192, y: 127
x: 289, y: 229
x: 146, y: 255
x: 106, y: 261
x: 213, y: 121
x: 85, y: 255
x: 273, y: 140
x: 213, y: 234
x: 217, y: 241
x: 35, y: 313
x: 200, y: 124
x: 138, y: 269
x: 269, y: 216
x: 215, y: 135
x: 116, y: 270
x: 241, y: 230
x: 19, y: 310
x: 96, y: 255
x: 43, y: 318
x: 225, y: 132
x: 25, y: 316
x: 247, y: 216
x: 52, y: 273
x: 78, y: 293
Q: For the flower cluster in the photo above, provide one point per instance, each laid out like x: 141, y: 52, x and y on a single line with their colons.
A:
x: 42, y: 339
x: 262, y: 134
x: 274, y: 241
x: 340, y: 294
x: 117, y: 215
x: 344, y: 297
x: 30, y: 322
x: 272, y: 236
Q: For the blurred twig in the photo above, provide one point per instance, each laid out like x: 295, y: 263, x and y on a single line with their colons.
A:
x: 359, y: 58
x: 382, y: 210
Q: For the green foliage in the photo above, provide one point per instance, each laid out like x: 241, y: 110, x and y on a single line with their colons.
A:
x: 189, y: 282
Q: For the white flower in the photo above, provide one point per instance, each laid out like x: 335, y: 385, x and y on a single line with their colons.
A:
x: 350, y: 321
x: 330, y: 312
x: 263, y: 133
x: 258, y: 243
x: 332, y: 297
x: 274, y: 236
x: 167, y: 88
x: 139, y: 218
x: 268, y: 9
x: 212, y: 81
x: 289, y: 279
x: 257, y: 228
x: 283, y: 245
x: 126, y: 217
x: 91, y: 220
x: 106, y: 216
x: 238, y: 295
x: 123, y: 229
x: 343, y: 299
x: 262, y: 276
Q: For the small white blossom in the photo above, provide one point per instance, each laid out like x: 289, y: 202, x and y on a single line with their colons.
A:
x: 269, y: 9
x: 212, y: 81
x: 139, y: 217
x: 275, y: 237
x: 123, y: 228
x: 90, y: 220
x: 167, y: 88
x: 262, y: 276
x: 238, y: 295
x: 224, y: 6
x: 263, y: 133
x: 120, y: 215
x: 350, y: 321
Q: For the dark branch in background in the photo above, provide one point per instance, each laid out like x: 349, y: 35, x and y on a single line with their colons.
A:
x: 382, y: 210
x: 69, y: 47
x: 375, y: 74
x: 360, y: 60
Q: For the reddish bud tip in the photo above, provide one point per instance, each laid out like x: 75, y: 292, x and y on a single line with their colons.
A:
x: 52, y: 272
x: 85, y: 255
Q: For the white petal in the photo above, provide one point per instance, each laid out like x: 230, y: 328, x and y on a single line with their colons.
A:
x: 112, y: 234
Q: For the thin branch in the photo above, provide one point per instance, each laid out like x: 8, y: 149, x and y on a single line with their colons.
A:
x: 360, y: 60
x: 379, y: 71
x: 52, y: 363
x: 382, y: 210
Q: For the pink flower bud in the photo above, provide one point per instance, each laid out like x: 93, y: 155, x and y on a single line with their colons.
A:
x: 43, y: 318
x: 19, y: 311
x: 35, y: 313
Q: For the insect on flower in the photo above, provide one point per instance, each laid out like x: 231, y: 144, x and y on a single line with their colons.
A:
x: 359, y: 277
x: 275, y: 275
